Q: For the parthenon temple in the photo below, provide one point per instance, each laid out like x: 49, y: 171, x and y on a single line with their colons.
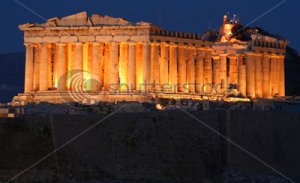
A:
x: 106, y: 57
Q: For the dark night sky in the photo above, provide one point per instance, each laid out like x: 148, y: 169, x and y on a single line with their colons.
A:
x: 178, y: 15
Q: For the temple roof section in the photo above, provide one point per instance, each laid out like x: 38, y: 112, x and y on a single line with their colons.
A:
x: 83, y: 20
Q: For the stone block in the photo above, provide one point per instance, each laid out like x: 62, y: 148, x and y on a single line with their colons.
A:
x: 33, y: 39
x: 123, y: 38
x: 51, y: 39
x: 87, y: 38
x: 68, y: 39
x: 104, y: 38
x: 140, y: 38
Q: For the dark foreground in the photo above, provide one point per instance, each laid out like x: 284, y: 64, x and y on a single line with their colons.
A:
x: 165, y: 147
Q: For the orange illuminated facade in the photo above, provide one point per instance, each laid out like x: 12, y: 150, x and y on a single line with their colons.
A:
x: 106, y: 58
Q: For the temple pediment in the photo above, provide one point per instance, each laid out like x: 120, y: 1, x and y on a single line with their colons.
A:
x: 108, y: 20
x: 83, y: 20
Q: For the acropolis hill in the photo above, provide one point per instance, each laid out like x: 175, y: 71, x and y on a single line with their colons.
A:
x: 101, y: 58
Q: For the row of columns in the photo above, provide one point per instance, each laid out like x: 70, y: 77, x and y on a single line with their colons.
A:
x: 261, y: 76
x: 149, y: 66
x: 133, y: 66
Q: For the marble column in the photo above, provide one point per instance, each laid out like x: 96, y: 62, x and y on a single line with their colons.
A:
x: 199, y: 71
x: 107, y: 65
x: 250, y: 76
x: 71, y: 63
x: 181, y: 68
x: 87, y: 66
x: 52, y: 68
x: 51, y: 61
x: 233, y: 70
x: 223, y: 72
x: 44, y: 67
x: 77, y: 83
x: 266, y: 76
x: 131, y: 66
x: 173, y: 73
x: 114, y: 68
x: 258, y: 76
x: 123, y: 67
x: 242, y: 75
x: 208, y: 73
x: 155, y: 67
x: 274, y: 76
x: 281, y: 70
x: 147, y: 66
x: 78, y: 64
x: 61, y: 66
x: 164, y: 64
x: 101, y: 56
x: 96, y: 68
x: 191, y: 70
x: 36, y: 67
x: 139, y: 67
x: 29, y: 68
x: 216, y: 70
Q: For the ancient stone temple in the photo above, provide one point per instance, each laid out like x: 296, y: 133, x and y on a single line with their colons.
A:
x: 96, y: 57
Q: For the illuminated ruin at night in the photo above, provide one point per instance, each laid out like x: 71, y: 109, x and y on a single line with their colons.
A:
x: 104, y: 58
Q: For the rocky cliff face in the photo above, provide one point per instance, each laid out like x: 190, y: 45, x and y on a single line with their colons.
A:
x: 154, y: 147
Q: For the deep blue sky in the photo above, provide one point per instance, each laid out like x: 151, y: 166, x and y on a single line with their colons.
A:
x: 179, y: 15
